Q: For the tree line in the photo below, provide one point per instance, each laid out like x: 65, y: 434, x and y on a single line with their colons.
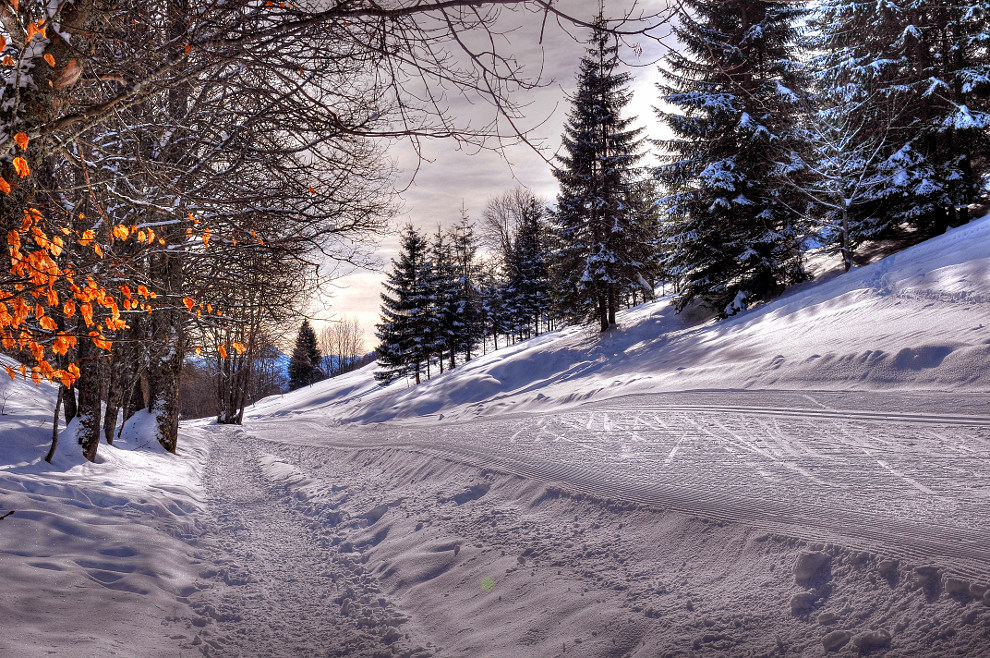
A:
x: 175, y: 175
x: 790, y: 126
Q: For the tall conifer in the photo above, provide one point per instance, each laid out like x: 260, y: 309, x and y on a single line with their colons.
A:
x: 404, y: 332
x: 735, y: 88
x: 598, y: 242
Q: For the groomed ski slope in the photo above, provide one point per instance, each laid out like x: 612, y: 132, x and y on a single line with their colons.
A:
x: 809, y: 478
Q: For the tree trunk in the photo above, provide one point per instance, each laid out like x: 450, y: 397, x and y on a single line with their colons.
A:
x: 58, y: 407
x: 69, y: 402
x: 89, y: 400
x: 613, y: 302
x: 846, y: 251
x: 115, y: 396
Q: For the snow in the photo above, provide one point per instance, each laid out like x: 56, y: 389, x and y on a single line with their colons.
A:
x: 96, y: 555
x: 810, y: 475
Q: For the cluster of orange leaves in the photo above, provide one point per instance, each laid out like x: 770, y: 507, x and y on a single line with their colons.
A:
x: 38, y: 274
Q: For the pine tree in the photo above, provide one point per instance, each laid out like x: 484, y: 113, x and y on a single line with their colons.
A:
x: 736, y: 84
x: 404, y: 332
x: 306, y: 360
x: 599, y: 246
x: 526, y: 292
x: 916, y: 71
x: 464, y: 248
x: 445, y: 291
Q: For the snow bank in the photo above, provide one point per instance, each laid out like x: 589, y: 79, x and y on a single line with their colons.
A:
x: 95, y: 556
x: 916, y: 320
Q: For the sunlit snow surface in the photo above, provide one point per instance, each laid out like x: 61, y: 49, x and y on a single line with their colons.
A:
x: 645, y: 492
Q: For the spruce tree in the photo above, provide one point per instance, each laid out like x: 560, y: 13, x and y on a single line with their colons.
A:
x: 305, y: 364
x: 736, y: 88
x: 526, y: 292
x: 446, y: 325
x: 916, y: 71
x: 404, y: 333
x: 599, y: 245
x: 464, y: 248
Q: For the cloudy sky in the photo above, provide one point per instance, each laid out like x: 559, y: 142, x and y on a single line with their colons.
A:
x: 448, y: 178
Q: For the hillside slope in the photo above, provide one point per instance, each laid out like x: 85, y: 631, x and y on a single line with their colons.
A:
x: 916, y: 320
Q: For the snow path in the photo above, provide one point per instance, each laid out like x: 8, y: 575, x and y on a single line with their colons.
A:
x: 324, y: 540
x: 277, y: 584
x: 871, y: 471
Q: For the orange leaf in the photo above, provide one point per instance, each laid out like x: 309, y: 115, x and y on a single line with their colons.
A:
x: 239, y: 347
x: 223, y: 352
x: 188, y: 302
x: 21, y: 167
x: 50, y: 60
x: 21, y: 139
x: 69, y: 308
x: 120, y: 232
x: 3, y: 42
x: 11, y: 372
x: 8, y: 60
x: 206, y: 237
x: 87, y: 237
x: 198, y: 350
x: 36, y: 375
x: 4, y: 186
x: 87, y: 313
x: 100, y: 341
x: 47, y: 323
x: 62, y: 343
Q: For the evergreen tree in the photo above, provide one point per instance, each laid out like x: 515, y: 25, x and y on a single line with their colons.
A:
x: 600, y: 248
x: 445, y: 291
x: 306, y: 360
x: 737, y: 88
x: 405, y: 330
x: 464, y: 247
x: 526, y: 291
x: 916, y: 72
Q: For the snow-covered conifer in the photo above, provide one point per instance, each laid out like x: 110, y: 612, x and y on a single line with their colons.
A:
x: 526, y: 291
x: 733, y: 91
x: 599, y: 247
x: 916, y: 70
x: 404, y: 332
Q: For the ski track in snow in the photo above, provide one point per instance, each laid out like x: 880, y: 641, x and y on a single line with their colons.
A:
x: 872, y: 477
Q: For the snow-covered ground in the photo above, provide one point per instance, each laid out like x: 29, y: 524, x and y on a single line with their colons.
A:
x: 809, y: 477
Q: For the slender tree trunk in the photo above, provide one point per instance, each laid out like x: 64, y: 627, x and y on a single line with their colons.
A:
x: 613, y: 302
x: 845, y: 249
x: 115, y: 396
x: 58, y: 407
x: 69, y: 403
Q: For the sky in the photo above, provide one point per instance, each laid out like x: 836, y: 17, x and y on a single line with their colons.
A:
x: 448, y: 178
